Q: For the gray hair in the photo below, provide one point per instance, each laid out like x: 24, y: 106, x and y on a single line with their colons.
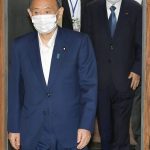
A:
x: 59, y: 3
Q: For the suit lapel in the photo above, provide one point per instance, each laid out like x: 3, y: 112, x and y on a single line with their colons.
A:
x: 36, y: 60
x: 123, y: 18
x: 83, y: 5
x: 57, y: 57
x: 106, y: 21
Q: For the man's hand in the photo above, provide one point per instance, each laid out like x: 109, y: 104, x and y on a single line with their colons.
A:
x: 135, y: 80
x: 14, y: 139
x: 84, y: 137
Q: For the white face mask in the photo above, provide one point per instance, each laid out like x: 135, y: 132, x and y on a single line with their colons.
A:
x: 44, y: 23
x: 113, y: 1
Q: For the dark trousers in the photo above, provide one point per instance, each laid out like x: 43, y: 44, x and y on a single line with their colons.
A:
x: 136, y: 117
x: 114, y: 111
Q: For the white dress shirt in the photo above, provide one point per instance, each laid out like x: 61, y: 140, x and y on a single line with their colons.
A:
x: 77, y: 13
x: 117, y: 11
x: 46, y: 52
x: 139, y: 1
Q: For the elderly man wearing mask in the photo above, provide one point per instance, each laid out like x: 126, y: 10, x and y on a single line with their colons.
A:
x: 115, y: 27
x: 57, y: 69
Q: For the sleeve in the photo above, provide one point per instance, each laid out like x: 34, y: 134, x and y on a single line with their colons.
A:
x: 14, y: 77
x: 137, y: 66
x: 88, y: 85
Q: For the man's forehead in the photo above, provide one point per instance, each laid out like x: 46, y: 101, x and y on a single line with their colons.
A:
x: 41, y: 7
x: 42, y: 3
x: 46, y: 8
x: 36, y: 1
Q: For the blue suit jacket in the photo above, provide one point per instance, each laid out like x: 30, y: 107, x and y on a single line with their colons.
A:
x: 70, y: 94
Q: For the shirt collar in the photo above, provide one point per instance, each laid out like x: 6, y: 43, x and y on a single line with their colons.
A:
x: 117, y: 5
x: 49, y: 44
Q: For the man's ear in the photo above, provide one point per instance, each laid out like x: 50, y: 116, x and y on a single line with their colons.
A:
x: 60, y: 16
x: 29, y: 12
x: 60, y: 11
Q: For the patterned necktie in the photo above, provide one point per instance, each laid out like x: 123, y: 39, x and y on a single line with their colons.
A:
x: 112, y: 20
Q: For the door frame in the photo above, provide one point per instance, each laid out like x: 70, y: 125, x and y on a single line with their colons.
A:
x: 3, y: 74
x: 145, y: 132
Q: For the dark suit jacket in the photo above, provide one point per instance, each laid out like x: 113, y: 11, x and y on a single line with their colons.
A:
x: 117, y: 56
x: 67, y: 21
x: 70, y: 94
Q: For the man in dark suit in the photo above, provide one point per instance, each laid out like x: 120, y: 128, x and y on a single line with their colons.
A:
x: 74, y: 13
x: 115, y: 27
x: 59, y: 81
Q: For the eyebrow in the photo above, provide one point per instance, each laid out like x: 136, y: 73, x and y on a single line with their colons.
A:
x: 40, y: 8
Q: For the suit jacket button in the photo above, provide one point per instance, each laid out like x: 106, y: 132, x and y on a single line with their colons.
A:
x: 49, y: 94
x: 111, y: 47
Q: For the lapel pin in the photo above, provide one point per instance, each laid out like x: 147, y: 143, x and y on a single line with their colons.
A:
x: 58, y: 56
x: 64, y: 49
x: 126, y: 13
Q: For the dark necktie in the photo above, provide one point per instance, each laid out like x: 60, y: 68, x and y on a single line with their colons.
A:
x: 112, y: 20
